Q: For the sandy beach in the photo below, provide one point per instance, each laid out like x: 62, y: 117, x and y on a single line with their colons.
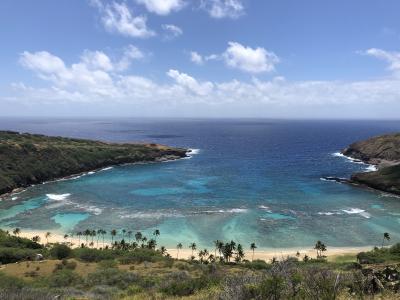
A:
x: 263, y: 254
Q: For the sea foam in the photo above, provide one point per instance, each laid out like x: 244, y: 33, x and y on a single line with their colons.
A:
x: 58, y: 197
x: 368, y: 167
x: 359, y: 211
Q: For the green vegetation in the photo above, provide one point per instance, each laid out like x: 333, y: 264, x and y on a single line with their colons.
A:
x: 141, y: 270
x: 27, y: 159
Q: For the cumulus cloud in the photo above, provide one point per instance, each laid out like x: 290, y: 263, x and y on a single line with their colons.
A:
x: 171, y: 31
x: 223, y: 8
x: 191, y: 84
x: 393, y: 58
x: 162, y: 7
x: 196, y: 58
x: 117, y: 17
x: 94, y: 78
x: 251, y: 60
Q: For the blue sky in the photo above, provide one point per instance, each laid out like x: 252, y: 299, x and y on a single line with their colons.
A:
x: 202, y: 58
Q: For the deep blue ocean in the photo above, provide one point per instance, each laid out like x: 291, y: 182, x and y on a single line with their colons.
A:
x: 249, y: 180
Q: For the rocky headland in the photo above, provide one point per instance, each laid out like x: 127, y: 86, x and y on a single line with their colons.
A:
x: 27, y: 159
x: 383, y: 152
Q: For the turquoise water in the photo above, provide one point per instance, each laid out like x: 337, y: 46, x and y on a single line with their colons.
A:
x: 251, y: 180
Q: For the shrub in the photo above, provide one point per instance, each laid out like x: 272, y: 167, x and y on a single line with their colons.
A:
x: 11, y: 255
x: 60, y: 251
x: 10, y: 282
x: 112, y: 277
x: 64, y: 278
x: 93, y: 255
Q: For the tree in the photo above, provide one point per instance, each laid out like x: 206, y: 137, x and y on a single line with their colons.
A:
x: 138, y: 236
x: 239, y: 253
x: 16, y: 231
x: 113, y: 234
x: 217, y: 247
x: 123, y: 233
x: 79, y: 234
x: 252, y: 248
x: 163, y: 250
x: 87, y: 233
x: 193, y: 246
x: 36, y: 239
x: 320, y: 247
x: 156, y: 233
x: 144, y: 239
x: 386, y: 237
x: 66, y: 236
x: 129, y: 236
x: 60, y: 251
x: 47, y: 235
x: 178, y: 247
x: 152, y: 244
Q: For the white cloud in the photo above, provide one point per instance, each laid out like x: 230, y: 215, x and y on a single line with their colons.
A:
x: 248, y: 59
x: 223, y: 8
x: 393, y: 58
x: 130, y: 53
x: 162, y: 7
x: 91, y: 80
x: 190, y: 83
x: 117, y: 17
x: 196, y: 58
x: 171, y: 31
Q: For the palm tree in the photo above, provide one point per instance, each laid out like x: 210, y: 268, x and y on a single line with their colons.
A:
x: 79, y: 233
x: 138, y: 236
x: 66, y: 236
x: 113, y: 234
x: 320, y: 247
x: 178, y: 247
x: 144, y: 239
x: 253, y: 247
x: 386, y: 236
x: 17, y: 231
x: 123, y: 233
x: 47, y: 235
x: 193, y: 246
x: 99, y: 231
x: 36, y: 239
x: 129, y: 236
x: 216, y: 244
x: 156, y: 233
x: 87, y: 233
x: 93, y: 234
x: 239, y: 253
x: 163, y: 250
x: 152, y: 244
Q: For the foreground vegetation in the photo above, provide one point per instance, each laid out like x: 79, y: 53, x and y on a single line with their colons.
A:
x: 34, y: 271
x: 27, y: 159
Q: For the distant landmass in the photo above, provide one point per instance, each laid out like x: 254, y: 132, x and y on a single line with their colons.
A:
x: 384, y: 152
x: 27, y: 159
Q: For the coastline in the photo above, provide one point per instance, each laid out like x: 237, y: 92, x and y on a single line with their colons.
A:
x: 163, y: 159
x: 266, y: 254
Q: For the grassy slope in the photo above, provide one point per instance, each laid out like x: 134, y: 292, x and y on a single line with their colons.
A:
x: 28, y: 159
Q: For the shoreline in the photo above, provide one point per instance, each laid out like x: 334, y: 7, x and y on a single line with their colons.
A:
x: 21, y: 189
x: 266, y: 254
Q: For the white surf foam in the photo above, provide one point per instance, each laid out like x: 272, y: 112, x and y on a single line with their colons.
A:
x: 58, y: 197
x: 266, y: 208
x: 368, y: 167
x: 329, y: 213
x: 192, y: 152
x: 105, y: 169
x: 223, y: 211
x: 14, y: 198
x: 359, y: 211
x: 90, y: 209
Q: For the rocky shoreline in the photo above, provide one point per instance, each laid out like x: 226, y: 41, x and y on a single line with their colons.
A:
x: 384, y: 153
x: 29, y: 159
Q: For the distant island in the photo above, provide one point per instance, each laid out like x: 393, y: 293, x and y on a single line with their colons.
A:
x: 27, y: 159
x: 384, y: 152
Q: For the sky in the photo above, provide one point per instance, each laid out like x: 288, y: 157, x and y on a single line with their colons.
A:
x: 200, y: 58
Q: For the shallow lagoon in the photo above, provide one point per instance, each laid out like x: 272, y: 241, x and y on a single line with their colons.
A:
x: 252, y: 180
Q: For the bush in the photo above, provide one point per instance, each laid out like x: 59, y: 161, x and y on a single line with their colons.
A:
x: 257, y: 265
x: 11, y: 255
x: 63, y: 278
x: 60, y: 251
x: 112, y: 277
x: 93, y: 255
x: 9, y: 282
x: 141, y: 255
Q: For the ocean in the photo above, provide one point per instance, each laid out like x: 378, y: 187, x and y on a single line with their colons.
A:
x: 248, y: 180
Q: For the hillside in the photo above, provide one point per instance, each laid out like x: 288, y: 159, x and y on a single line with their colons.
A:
x: 383, y: 151
x: 27, y: 159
